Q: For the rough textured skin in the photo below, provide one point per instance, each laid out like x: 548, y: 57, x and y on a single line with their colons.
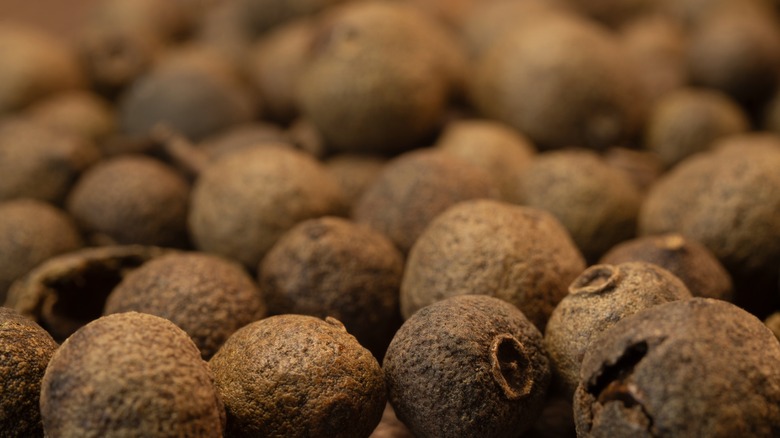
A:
x: 519, y: 254
x: 494, y: 147
x: 206, y: 296
x: 333, y: 267
x: 592, y: 99
x: 379, y: 77
x: 67, y: 291
x: 469, y: 366
x: 596, y: 203
x: 298, y: 376
x: 728, y: 201
x: 31, y: 232
x: 244, y: 202
x: 687, y: 259
x: 355, y: 173
x: 81, y: 113
x: 689, y: 120
x: 192, y: 100
x: 416, y: 187
x: 597, y: 300
x: 34, y: 65
x: 38, y: 162
x: 131, y: 200
x: 25, y: 350
x: 699, y: 367
x: 738, y: 53
x: 129, y: 375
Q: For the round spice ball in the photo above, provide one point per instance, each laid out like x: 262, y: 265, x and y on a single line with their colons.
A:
x: 68, y: 291
x: 599, y: 298
x: 298, y: 376
x: 35, y: 65
x: 206, y: 296
x: 194, y: 100
x: 80, y: 113
x: 31, y: 232
x: 130, y: 374
x: 518, y: 254
x: 332, y: 267
x: 131, y: 199
x: 416, y: 187
x: 242, y: 137
x: 244, y: 202
x: 736, y: 51
x: 642, y: 167
x: 687, y: 259
x: 698, y: 367
x: 258, y: 16
x: 689, y: 120
x: 469, y: 366
x: 562, y: 82
x: 25, y: 350
x: 728, y: 201
x: 492, y: 146
x: 596, y: 203
x: 355, y: 173
x: 39, y: 162
x: 379, y: 77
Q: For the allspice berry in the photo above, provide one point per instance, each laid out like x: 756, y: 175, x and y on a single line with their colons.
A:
x: 25, y: 350
x: 600, y: 297
x: 518, y: 254
x: 494, y: 147
x: 414, y: 188
x: 68, y: 291
x: 39, y: 162
x: 689, y: 120
x: 244, y: 202
x: 563, y: 82
x: 35, y: 65
x: 379, y: 77
x: 206, y: 296
x: 131, y: 199
x: 31, y: 232
x: 687, y: 259
x: 596, y: 203
x: 80, y: 113
x: 698, y: 367
x: 727, y: 200
x: 470, y: 366
x: 298, y: 376
x: 333, y: 267
x: 130, y: 374
x: 355, y: 172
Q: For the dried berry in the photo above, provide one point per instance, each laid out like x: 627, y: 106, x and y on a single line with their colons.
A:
x: 597, y: 204
x: 468, y: 366
x: 206, y: 296
x: 31, y: 232
x: 519, y: 254
x: 355, y: 173
x: 698, y: 367
x: 298, y: 376
x: 687, y: 259
x: 242, y: 137
x: 39, y: 162
x: 407, y: 67
x: 332, y: 267
x: 70, y: 290
x: 414, y: 188
x: 599, y: 298
x: 494, y: 147
x: 258, y: 16
x: 130, y: 374
x: 79, y: 113
x: 25, y: 350
x: 244, y: 202
x: 562, y: 82
x: 642, y: 167
x: 689, y: 120
x: 131, y: 200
